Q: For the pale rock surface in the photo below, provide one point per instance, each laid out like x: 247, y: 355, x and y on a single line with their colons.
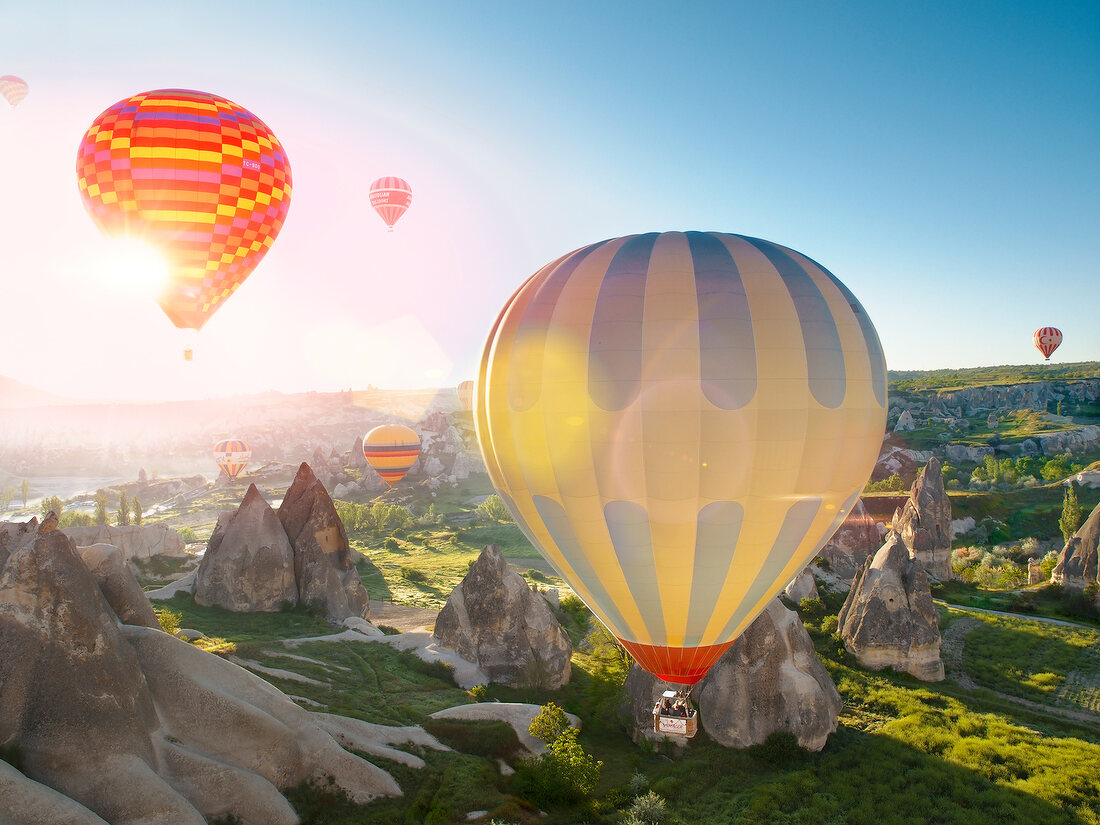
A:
x: 249, y: 563
x: 117, y: 584
x: 958, y: 453
x: 1034, y: 571
x: 186, y: 584
x: 324, y: 567
x: 517, y: 714
x: 135, y: 541
x: 924, y: 524
x: 1078, y: 562
x: 802, y: 587
x: 889, y: 620
x: 905, y: 423
x: 769, y: 680
x: 1079, y: 440
x: 179, y: 735
x: 492, y: 618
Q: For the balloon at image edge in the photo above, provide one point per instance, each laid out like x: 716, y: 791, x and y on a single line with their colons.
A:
x: 679, y: 422
x: 1046, y: 340
x: 232, y: 455
x: 465, y: 392
x: 14, y: 89
x: 196, y: 176
x: 391, y: 450
x: 391, y: 197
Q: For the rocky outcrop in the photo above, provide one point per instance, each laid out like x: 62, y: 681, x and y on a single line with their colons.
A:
x: 769, y: 680
x: 249, y: 563
x: 116, y: 582
x: 135, y: 542
x: 1078, y: 562
x: 924, y: 524
x: 905, y: 423
x: 1079, y: 440
x: 888, y: 619
x: 895, y: 457
x: 1034, y: 571
x: 802, y: 587
x: 857, y: 538
x: 324, y: 567
x: 494, y: 619
x: 120, y: 723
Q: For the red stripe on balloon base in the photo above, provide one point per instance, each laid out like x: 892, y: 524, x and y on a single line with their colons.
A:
x: 682, y: 665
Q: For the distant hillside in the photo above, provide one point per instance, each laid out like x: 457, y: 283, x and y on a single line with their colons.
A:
x: 908, y: 380
x: 17, y: 395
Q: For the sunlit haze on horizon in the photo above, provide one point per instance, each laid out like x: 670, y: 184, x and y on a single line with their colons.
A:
x: 941, y: 161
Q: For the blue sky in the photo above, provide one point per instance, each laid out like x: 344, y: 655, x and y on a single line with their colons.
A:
x: 939, y: 158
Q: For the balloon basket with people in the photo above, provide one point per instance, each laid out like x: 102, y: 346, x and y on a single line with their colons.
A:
x: 674, y: 715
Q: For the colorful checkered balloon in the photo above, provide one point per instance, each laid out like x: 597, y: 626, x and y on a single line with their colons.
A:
x: 197, y: 176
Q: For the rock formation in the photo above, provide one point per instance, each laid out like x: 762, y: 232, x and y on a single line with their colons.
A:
x: 121, y: 723
x: 249, y: 563
x: 888, y: 619
x: 857, y: 538
x: 1034, y: 571
x: 905, y: 423
x: 135, y: 542
x: 802, y: 587
x: 324, y: 568
x: 116, y: 582
x: 769, y: 680
x: 494, y: 619
x: 1078, y: 565
x: 924, y: 524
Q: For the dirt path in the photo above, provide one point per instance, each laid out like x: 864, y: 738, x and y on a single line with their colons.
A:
x: 402, y: 617
x: 953, y: 643
x: 1024, y: 616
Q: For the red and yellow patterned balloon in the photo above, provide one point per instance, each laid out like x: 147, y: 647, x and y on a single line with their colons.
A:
x: 232, y: 455
x: 195, y: 175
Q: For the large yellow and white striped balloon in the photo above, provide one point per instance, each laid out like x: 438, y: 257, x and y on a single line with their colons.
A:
x: 679, y: 421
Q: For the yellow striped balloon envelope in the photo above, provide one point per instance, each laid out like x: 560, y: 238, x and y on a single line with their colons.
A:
x: 679, y: 421
x: 13, y: 89
x: 232, y: 455
x: 197, y: 176
x: 391, y: 450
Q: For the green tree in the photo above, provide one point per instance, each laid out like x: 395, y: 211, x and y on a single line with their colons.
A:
x: 550, y: 723
x: 123, y: 510
x: 493, y: 508
x: 1072, y: 512
x: 135, y: 505
x: 7, y: 496
x: 25, y: 491
x: 100, y: 514
x: 53, y: 503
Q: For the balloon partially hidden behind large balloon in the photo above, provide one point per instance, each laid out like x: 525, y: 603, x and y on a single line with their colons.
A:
x: 391, y: 197
x: 232, y: 455
x: 14, y: 89
x: 1046, y: 340
x: 196, y: 175
x: 466, y: 394
x: 679, y: 421
x: 391, y: 450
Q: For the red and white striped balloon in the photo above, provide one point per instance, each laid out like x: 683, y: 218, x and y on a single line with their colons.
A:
x: 1047, y: 340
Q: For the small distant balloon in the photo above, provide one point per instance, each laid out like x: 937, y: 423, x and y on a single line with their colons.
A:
x: 14, y: 89
x: 232, y: 455
x: 391, y: 450
x: 1047, y: 339
x: 198, y: 177
x: 466, y: 394
x: 391, y: 198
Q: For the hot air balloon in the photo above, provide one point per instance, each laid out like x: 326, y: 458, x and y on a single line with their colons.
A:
x: 13, y: 88
x: 232, y: 456
x: 466, y: 394
x: 390, y: 197
x: 1046, y: 340
x: 679, y: 421
x: 391, y: 449
x: 197, y: 176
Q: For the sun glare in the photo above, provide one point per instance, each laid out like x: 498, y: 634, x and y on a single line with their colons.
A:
x: 132, y: 266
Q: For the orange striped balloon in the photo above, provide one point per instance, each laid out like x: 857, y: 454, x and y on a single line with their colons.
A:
x: 391, y: 198
x: 232, y: 455
x: 391, y: 450
x: 196, y: 175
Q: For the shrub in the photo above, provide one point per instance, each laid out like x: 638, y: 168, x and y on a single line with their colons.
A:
x: 169, y: 620
x: 390, y: 543
x: 780, y: 748
x: 648, y: 808
x: 564, y: 773
x: 550, y: 723
x: 187, y: 535
x: 411, y: 574
x: 479, y: 693
x: 639, y: 783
